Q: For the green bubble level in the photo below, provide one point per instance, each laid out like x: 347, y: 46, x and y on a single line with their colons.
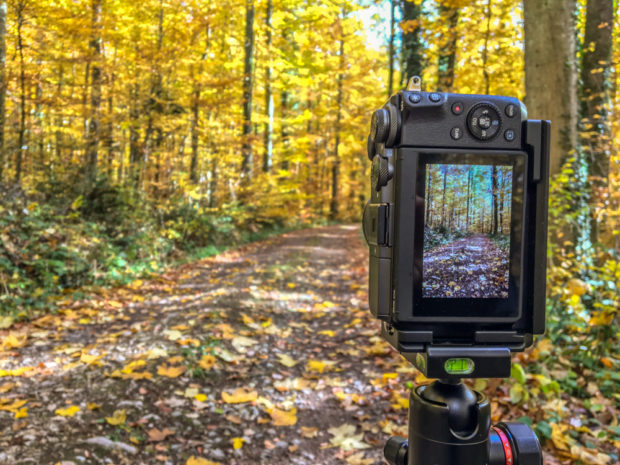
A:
x: 459, y: 366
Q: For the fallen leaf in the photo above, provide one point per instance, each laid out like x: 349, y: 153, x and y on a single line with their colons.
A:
x: 283, y: 418
x: 239, y: 396
x: 237, y: 443
x: 22, y: 413
x: 319, y: 366
x: 156, y: 435
x: 309, y: 432
x: 200, y: 461
x: 67, y: 412
x: 14, y: 341
x: 207, y: 362
x: 170, y: 371
x: 287, y: 360
x: 117, y: 418
x: 346, y: 439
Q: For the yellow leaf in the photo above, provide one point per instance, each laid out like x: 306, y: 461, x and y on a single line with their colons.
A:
x: 92, y: 406
x: 328, y: 332
x: 6, y: 387
x: 16, y: 371
x: 170, y: 371
x: 239, y: 396
x: 309, y: 432
x: 14, y: 341
x: 246, y: 319
x: 6, y: 322
x: 200, y: 397
x: 13, y: 407
x: 207, y: 362
x: 67, y: 412
x: 237, y: 443
x: 287, y: 360
x: 283, y: 418
x: 117, y: 418
x: 91, y: 359
x: 319, y: 366
x: 22, y: 413
x: 200, y: 461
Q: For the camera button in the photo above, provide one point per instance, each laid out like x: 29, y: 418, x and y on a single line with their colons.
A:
x: 415, y: 98
x: 434, y: 97
x: 456, y: 133
x: 510, y: 110
x: 457, y: 108
x: 509, y: 135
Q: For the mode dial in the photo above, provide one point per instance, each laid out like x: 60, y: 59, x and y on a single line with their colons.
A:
x: 484, y: 121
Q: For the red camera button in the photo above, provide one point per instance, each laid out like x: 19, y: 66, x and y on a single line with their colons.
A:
x: 457, y: 108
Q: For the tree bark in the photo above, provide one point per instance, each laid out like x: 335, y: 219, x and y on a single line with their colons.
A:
x: 447, y: 52
x: 333, y: 205
x: 93, y: 128
x: 3, y: 12
x: 391, y: 48
x: 269, y: 107
x: 21, y: 6
x: 246, y: 163
x: 485, y: 50
x: 595, y: 84
x: 494, y: 213
x: 412, y: 48
x: 550, y: 72
x: 195, y: 126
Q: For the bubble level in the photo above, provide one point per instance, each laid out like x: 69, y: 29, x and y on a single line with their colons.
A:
x: 459, y: 366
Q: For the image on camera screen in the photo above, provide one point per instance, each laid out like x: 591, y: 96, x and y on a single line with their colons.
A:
x: 467, y: 214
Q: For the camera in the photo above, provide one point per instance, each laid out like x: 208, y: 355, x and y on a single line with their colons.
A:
x: 456, y: 227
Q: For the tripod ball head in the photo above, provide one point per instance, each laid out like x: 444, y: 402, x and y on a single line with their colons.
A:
x: 450, y: 424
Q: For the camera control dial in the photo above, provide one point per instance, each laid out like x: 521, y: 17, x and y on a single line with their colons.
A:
x: 380, y: 126
x: 381, y: 172
x: 484, y: 121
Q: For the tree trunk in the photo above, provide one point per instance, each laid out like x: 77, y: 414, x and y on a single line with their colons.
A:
x: 550, y: 72
x: 468, y: 199
x: 333, y: 205
x: 494, y: 213
x: 443, y: 200
x: 269, y: 107
x: 284, y: 135
x: 595, y: 83
x: 195, y: 127
x: 485, y: 50
x: 392, y: 47
x: 246, y: 163
x: 22, y: 97
x: 447, y: 52
x: 93, y: 128
x: 3, y: 86
x: 412, y: 47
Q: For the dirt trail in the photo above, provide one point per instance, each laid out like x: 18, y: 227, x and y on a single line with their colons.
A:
x: 284, y: 319
x: 469, y: 267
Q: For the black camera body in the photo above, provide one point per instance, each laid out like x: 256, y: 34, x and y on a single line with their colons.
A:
x: 457, y: 229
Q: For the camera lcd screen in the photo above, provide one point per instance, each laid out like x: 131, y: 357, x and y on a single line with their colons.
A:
x: 467, y: 231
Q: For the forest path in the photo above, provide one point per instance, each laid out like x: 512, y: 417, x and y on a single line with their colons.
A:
x: 468, y: 267
x: 262, y: 355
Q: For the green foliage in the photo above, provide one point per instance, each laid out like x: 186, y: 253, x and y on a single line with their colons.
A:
x: 107, y: 237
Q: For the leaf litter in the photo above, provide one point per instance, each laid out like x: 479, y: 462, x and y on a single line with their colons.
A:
x: 266, y: 354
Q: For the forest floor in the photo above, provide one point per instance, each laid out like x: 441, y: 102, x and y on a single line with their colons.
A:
x: 468, y: 267
x: 266, y: 354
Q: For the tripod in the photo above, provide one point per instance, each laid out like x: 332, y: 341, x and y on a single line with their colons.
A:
x: 450, y: 424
